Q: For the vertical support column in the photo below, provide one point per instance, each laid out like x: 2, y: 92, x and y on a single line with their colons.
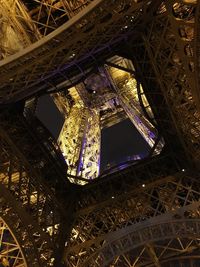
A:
x: 89, y: 163
x: 80, y: 141
x: 71, y: 136
x: 126, y: 88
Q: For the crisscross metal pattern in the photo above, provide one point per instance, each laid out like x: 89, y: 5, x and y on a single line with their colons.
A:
x: 102, y: 232
x: 99, y: 25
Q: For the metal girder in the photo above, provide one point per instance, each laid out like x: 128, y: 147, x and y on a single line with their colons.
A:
x: 157, y: 58
x: 92, y: 102
x: 34, y: 171
x: 10, y: 254
x: 119, y: 183
x: 24, y: 22
x: 127, y: 92
x: 151, y: 246
x: 89, y: 159
x: 101, y: 211
x: 127, y: 66
x: 183, y: 18
x: 166, y: 66
x: 120, y: 67
x: 56, y: 57
x: 146, y: 210
x: 102, y: 232
x: 15, y: 35
x: 71, y: 136
x: 49, y: 15
x: 30, y: 246
x: 79, y: 141
x: 151, y: 251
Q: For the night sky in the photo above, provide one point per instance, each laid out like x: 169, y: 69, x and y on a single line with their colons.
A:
x: 121, y: 141
x: 117, y: 142
x: 49, y: 115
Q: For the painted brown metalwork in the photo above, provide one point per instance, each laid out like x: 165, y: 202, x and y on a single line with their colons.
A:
x: 30, y: 172
x: 159, y: 52
x: 164, y: 210
x: 149, y: 213
x: 29, y: 246
x: 27, y: 72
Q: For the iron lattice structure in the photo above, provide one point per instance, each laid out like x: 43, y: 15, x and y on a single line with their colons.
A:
x: 102, y: 100
x: 145, y: 215
x: 149, y: 226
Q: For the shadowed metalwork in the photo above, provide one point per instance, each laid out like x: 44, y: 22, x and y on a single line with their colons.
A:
x: 144, y: 215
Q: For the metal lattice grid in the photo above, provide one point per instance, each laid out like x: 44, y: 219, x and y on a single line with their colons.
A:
x: 150, y: 207
x: 99, y: 19
x: 28, y: 172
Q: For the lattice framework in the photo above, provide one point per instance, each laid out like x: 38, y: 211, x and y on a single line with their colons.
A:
x: 28, y: 172
x: 161, y: 65
x: 170, y: 40
x: 100, y: 23
x: 103, y: 232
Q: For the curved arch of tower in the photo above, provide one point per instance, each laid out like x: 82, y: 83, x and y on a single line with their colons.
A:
x: 101, y: 63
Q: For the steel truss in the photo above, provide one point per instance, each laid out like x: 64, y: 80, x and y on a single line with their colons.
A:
x: 144, y: 219
x: 94, y: 197
x: 80, y: 136
x: 22, y: 243
x: 31, y: 171
x: 99, y: 25
x: 150, y: 210
x: 13, y: 34
x: 161, y: 56
x: 155, y: 245
x: 79, y: 141
x: 25, y: 22
x: 46, y: 15
x: 10, y: 250
x: 129, y: 91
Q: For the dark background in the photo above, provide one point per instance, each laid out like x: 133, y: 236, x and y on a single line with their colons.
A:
x: 121, y: 141
x: 49, y: 115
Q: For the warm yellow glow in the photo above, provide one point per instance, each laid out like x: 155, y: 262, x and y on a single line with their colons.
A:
x: 70, y: 138
x: 126, y: 87
x: 10, y: 249
x: 79, y: 139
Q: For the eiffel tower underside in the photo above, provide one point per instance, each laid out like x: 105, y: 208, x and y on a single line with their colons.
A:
x: 147, y: 214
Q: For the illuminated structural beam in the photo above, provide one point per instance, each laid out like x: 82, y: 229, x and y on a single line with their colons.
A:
x: 62, y: 102
x: 126, y: 87
x: 21, y: 25
x: 15, y: 34
x: 10, y: 253
x: 79, y: 139
x: 49, y: 15
x: 89, y: 161
x: 70, y: 139
x: 130, y: 105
